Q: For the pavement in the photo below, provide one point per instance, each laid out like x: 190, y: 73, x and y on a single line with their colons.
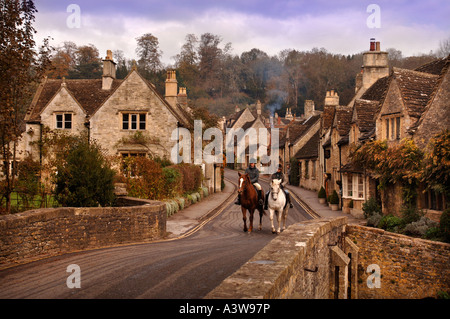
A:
x: 192, y: 217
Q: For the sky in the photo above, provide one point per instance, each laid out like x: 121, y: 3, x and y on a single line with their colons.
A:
x: 341, y: 26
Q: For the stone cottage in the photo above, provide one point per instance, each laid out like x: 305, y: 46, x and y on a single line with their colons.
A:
x: 126, y: 117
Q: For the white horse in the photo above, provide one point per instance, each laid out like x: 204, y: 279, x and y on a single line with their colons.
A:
x: 277, y: 204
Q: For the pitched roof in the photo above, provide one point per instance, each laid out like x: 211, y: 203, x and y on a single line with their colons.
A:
x: 365, y: 112
x: 434, y: 67
x: 378, y: 90
x: 343, y: 119
x: 328, y: 116
x: 416, y: 89
x: 310, y: 149
x: 297, y: 129
x: 90, y: 96
x: 88, y: 93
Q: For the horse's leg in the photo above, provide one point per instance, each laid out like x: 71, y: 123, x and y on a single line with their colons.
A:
x: 285, y: 217
x: 251, y: 212
x: 279, y: 216
x: 271, y: 219
x: 244, y: 217
x: 261, y: 213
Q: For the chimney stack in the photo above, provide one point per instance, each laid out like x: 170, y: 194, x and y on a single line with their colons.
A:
x: 258, y: 107
x: 171, y: 88
x: 182, y: 97
x: 309, y: 108
x: 109, y: 71
x: 375, y: 64
x: 331, y: 98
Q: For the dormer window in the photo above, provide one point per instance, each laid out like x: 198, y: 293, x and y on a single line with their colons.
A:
x: 64, y: 121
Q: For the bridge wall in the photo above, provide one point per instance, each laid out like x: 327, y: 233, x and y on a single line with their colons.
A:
x: 41, y: 233
x: 308, y: 260
x: 328, y: 259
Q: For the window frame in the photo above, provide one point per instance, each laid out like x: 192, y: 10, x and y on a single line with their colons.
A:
x: 66, y: 121
x: 357, y: 188
x: 133, y: 121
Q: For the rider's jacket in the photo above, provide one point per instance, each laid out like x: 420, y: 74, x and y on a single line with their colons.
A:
x: 253, y: 173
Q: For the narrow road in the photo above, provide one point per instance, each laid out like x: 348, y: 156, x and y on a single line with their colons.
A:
x: 182, y: 269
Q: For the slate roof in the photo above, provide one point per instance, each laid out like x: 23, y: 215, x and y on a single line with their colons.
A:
x: 90, y: 96
x: 378, y: 90
x: 416, y: 89
x: 366, y: 112
x: 297, y: 129
x: 88, y: 93
x: 434, y: 67
x: 343, y: 119
x: 310, y: 149
x: 328, y: 116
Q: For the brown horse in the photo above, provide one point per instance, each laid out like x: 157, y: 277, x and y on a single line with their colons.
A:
x: 249, y: 201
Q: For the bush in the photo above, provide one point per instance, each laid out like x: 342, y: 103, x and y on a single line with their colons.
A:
x: 390, y: 223
x: 374, y: 220
x: 147, y: 180
x: 334, y: 198
x: 172, y: 182
x: 350, y: 204
x: 192, y: 177
x: 322, y: 193
x: 411, y: 214
x: 371, y: 207
x: 444, y: 225
x: 420, y: 227
x: 84, y: 178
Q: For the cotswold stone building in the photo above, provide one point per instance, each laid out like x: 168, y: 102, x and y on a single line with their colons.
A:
x: 126, y: 117
x: 389, y: 106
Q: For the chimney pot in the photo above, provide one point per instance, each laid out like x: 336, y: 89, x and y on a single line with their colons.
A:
x: 372, y: 44
x: 377, y: 46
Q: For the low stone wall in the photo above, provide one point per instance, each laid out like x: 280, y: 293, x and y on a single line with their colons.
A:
x: 408, y: 267
x: 41, y: 233
x: 298, y: 263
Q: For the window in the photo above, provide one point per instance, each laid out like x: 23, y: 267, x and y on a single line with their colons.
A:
x: 397, y: 133
x: 349, y: 188
x: 313, y: 169
x: 306, y: 169
x: 64, y: 121
x: 133, y: 121
x: 387, y: 129
x: 354, y: 186
x: 392, y: 128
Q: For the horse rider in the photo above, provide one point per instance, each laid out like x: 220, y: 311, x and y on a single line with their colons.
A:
x: 253, y: 174
x: 278, y: 175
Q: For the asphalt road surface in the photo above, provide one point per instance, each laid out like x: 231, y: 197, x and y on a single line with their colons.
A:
x: 186, y: 268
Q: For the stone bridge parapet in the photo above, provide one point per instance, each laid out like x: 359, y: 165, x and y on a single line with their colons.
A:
x: 41, y: 233
x: 308, y: 260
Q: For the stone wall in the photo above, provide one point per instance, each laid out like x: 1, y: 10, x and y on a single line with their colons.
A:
x: 41, y: 233
x: 409, y: 267
x: 299, y: 263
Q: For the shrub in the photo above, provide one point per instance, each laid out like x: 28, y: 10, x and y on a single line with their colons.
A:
x: 390, y: 223
x: 411, y: 214
x: 334, y: 198
x: 171, y: 207
x: 374, y: 220
x: 444, y: 225
x: 192, y: 177
x: 147, y: 181
x: 84, y: 177
x: 322, y: 193
x: 420, y: 227
x: 371, y: 207
x: 172, y: 182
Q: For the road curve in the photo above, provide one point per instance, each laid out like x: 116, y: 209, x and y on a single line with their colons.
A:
x: 187, y: 268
